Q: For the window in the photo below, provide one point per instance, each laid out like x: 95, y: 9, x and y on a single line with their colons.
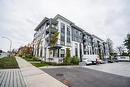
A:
x: 62, y: 53
x: 56, y: 53
x: 68, y: 39
x: 85, y: 52
x: 76, y: 35
x: 72, y: 30
x: 62, y: 28
x: 68, y: 34
x: 68, y: 30
x: 81, y: 37
x: 76, y: 49
x: 62, y: 34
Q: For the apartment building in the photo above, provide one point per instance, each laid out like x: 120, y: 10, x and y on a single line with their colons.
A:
x: 70, y: 36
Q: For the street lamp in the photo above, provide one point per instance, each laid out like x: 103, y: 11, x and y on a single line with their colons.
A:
x: 9, y: 41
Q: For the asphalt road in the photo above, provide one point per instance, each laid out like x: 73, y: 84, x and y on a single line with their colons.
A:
x: 84, y: 77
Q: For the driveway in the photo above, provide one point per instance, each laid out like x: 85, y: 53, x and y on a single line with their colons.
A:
x: 85, y: 77
x: 121, y: 68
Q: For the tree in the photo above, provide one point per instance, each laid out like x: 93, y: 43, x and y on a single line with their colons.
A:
x: 53, y: 41
x: 127, y: 42
x: 75, y: 60
x: 110, y: 48
x: 120, y: 49
x: 110, y: 45
x: 24, y: 51
x: 67, y: 58
x: 125, y: 54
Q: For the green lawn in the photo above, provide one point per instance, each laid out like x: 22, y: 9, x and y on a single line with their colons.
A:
x: 8, y: 63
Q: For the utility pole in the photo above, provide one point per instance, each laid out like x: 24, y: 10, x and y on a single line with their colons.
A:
x: 10, y: 43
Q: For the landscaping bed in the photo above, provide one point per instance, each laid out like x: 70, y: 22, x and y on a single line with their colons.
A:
x: 8, y: 63
x: 39, y: 63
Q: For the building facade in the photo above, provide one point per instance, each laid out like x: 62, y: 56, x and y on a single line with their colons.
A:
x: 70, y: 36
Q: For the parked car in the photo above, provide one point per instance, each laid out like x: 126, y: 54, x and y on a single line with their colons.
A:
x: 123, y: 58
x: 110, y: 61
x: 87, y: 61
x: 90, y: 58
x: 115, y: 59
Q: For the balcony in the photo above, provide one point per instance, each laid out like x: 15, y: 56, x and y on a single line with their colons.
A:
x: 47, y: 37
x: 52, y: 29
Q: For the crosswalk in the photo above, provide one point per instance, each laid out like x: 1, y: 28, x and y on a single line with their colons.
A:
x: 11, y: 78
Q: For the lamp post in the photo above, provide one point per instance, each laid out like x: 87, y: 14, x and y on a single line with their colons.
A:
x: 9, y: 41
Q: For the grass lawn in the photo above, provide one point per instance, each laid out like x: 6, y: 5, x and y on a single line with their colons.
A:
x: 8, y: 63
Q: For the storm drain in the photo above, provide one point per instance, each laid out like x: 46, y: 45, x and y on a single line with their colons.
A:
x: 59, y: 74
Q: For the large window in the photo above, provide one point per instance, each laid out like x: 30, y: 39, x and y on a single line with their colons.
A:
x: 76, y: 49
x: 68, y: 34
x: 62, y: 34
x: 62, y: 53
x: 76, y: 35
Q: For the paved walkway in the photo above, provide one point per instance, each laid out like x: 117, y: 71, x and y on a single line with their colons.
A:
x: 11, y: 78
x: 35, y: 77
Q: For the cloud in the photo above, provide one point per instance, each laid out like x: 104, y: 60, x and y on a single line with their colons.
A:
x: 104, y: 18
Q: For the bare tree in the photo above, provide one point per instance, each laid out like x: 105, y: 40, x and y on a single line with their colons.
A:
x: 120, y: 49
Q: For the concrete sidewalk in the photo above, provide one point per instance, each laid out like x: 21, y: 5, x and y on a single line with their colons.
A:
x: 34, y: 77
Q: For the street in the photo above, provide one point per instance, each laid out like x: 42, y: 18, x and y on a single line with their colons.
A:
x: 86, y: 77
x: 120, y: 68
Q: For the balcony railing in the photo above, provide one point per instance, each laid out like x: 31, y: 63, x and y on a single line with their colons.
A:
x: 52, y: 29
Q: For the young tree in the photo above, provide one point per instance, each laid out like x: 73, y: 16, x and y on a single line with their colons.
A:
x: 67, y: 58
x: 127, y: 42
x: 53, y: 41
x: 75, y: 60
x: 110, y: 48
x: 110, y: 45
x: 54, y: 38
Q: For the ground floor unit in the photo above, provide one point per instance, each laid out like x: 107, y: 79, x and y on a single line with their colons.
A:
x: 59, y: 53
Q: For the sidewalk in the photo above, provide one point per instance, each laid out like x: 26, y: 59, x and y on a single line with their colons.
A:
x: 59, y: 66
x: 34, y: 77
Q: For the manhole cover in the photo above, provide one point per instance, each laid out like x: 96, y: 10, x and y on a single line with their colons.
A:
x: 59, y: 74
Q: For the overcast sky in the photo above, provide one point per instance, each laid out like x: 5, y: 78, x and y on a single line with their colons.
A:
x: 104, y: 18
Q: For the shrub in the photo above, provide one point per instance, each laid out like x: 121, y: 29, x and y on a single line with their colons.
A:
x: 35, y: 59
x: 28, y: 56
x: 67, y: 58
x: 75, y: 60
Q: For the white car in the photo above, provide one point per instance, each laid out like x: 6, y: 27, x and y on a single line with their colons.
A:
x: 87, y: 61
